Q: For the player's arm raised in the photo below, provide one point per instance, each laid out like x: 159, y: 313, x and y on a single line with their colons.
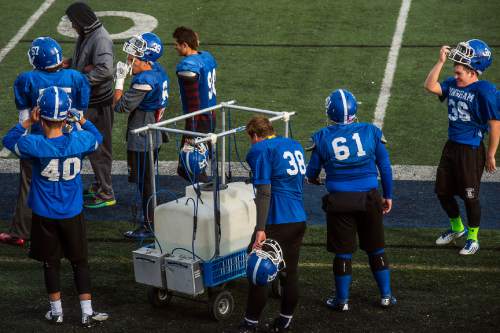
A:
x: 431, y: 83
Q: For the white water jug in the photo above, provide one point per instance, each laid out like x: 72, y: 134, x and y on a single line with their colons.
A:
x: 174, y: 221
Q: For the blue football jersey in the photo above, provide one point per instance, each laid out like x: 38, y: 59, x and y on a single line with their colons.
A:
x: 352, y: 156
x: 29, y: 85
x: 56, y: 186
x: 469, y: 110
x: 157, y: 80
x: 203, y: 64
x: 280, y: 162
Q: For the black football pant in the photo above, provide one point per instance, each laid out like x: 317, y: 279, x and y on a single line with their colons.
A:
x: 289, y: 236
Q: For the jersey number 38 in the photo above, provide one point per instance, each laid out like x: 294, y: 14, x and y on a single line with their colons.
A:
x: 296, y: 161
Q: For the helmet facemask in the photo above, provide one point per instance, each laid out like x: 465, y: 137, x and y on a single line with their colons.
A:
x: 462, y: 54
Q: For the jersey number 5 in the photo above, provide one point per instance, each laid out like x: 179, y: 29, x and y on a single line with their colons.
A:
x: 296, y: 161
x: 52, y: 172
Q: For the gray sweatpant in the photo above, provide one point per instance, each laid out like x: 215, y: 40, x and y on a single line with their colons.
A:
x: 102, y: 117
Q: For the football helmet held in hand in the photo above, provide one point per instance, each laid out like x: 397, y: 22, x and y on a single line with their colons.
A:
x: 264, y: 264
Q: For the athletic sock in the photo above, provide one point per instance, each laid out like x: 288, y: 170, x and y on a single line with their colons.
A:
x: 56, y: 307
x: 383, y: 279
x: 342, y: 285
x: 86, y: 307
x: 456, y: 224
x: 473, y: 233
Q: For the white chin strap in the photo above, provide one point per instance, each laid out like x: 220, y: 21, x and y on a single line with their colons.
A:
x: 131, y: 65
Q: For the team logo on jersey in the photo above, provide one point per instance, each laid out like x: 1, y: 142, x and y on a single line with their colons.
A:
x: 470, y: 192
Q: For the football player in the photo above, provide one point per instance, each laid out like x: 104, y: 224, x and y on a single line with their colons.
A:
x: 472, y: 112
x: 353, y: 154
x: 55, y: 197
x: 144, y: 102
x: 278, y: 169
x: 45, y: 55
x: 196, y: 75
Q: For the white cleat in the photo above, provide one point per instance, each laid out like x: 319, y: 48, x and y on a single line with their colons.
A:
x: 471, y: 247
x: 450, y: 236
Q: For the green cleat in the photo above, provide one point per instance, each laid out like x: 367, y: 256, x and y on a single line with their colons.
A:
x: 99, y: 202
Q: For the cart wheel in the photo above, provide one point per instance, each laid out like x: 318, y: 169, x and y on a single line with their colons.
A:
x: 221, y: 305
x: 276, y: 289
x: 159, y: 297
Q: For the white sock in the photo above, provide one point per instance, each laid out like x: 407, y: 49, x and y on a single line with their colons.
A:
x: 56, y: 307
x: 86, y: 307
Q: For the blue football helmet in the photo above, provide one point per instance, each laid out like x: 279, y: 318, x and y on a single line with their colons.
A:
x: 263, y: 265
x: 45, y: 53
x: 473, y: 53
x: 54, y: 104
x: 341, y: 106
x: 146, y: 47
x: 194, y: 158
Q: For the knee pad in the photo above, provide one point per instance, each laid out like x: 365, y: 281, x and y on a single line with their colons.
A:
x: 342, y: 264
x: 378, y: 260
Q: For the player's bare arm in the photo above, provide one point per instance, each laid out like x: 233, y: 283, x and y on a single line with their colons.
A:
x: 431, y: 83
x: 492, y: 145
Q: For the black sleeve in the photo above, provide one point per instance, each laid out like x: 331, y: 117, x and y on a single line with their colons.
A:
x: 262, y: 202
x: 130, y: 100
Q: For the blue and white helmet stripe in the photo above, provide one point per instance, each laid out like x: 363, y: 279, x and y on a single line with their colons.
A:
x: 341, y: 106
x: 344, y: 105
x: 54, y: 104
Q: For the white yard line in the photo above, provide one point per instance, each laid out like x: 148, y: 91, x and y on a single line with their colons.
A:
x: 17, y: 37
x: 390, y: 68
x: 24, y: 29
x: 169, y: 168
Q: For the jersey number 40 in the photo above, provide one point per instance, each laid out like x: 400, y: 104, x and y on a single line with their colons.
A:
x: 70, y: 168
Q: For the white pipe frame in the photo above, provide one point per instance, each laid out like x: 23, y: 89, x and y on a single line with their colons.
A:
x: 204, y: 137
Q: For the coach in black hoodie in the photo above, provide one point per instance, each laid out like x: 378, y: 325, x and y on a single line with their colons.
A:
x: 93, y: 56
